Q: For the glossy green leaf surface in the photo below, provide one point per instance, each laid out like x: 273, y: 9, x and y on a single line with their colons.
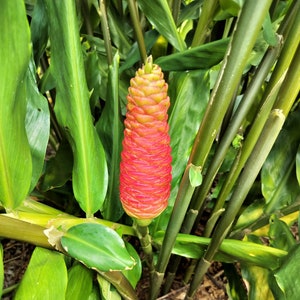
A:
x: 80, y: 283
x: 287, y: 276
x: 133, y: 275
x: 39, y: 29
x: 72, y: 108
x: 98, y: 247
x: 195, y: 176
x: 159, y: 14
x: 189, y: 93
x: 45, y: 277
x: 37, y: 124
x: 110, y: 130
x: 15, y: 157
x: 279, y: 183
x: 201, y: 57
x: 229, y: 251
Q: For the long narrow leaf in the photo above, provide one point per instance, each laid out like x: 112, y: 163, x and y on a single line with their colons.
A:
x: 37, y: 124
x: 72, y: 107
x: 159, y: 14
x: 15, y: 157
x: 110, y: 130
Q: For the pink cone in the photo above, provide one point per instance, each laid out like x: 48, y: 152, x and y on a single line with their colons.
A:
x: 145, y: 170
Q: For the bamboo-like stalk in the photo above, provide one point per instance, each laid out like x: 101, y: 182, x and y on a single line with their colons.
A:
x: 285, y: 100
x: 105, y: 31
x: 204, y: 25
x: 23, y: 231
x: 272, y: 89
x: 220, y: 154
x: 137, y: 29
x: 235, y: 60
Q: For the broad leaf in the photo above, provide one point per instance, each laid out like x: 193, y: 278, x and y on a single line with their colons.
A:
x: 159, y: 14
x: 287, y: 276
x: 258, y: 280
x: 189, y: 93
x: 80, y: 282
x: 37, y: 124
x: 110, y: 130
x: 72, y: 107
x: 15, y: 51
x: 45, y: 277
x: 279, y: 184
x: 201, y: 57
x: 98, y: 247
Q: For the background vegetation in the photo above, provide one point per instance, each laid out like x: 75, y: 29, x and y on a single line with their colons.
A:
x: 233, y: 72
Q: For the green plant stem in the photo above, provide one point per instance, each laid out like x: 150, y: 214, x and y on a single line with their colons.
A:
x: 205, y: 22
x: 285, y: 99
x: 269, y: 98
x: 105, y: 30
x: 243, y: 109
x: 251, y: 169
x: 179, y: 210
x: 176, y: 10
x: 137, y: 29
x: 142, y: 233
x: 235, y: 60
x: 23, y: 231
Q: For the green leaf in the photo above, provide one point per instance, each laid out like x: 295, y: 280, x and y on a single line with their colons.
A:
x: 110, y: 130
x: 159, y: 14
x: 257, y: 278
x: 58, y: 169
x: 108, y: 291
x: 1, y: 270
x: 39, y: 30
x: 72, y: 107
x: 45, y: 278
x: 189, y: 94
x: 231, y: 7
x: 98, y: 247
x: 229, y: 251
x: 287, y: 276
x: 201, y: 57
x: 37, y: 124
x: 15, y: 51
x: 133, y: 275
x: 268, y: 32
x: 80, y: 283
x: 279, y: 184
x: 280, y: 234
x: 195, y: 176
x: 133, y: 55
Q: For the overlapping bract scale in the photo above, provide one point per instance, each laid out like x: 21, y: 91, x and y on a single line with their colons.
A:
x: 145, y: 170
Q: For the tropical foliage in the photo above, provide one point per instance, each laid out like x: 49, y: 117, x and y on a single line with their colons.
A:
x: 232, y: 70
